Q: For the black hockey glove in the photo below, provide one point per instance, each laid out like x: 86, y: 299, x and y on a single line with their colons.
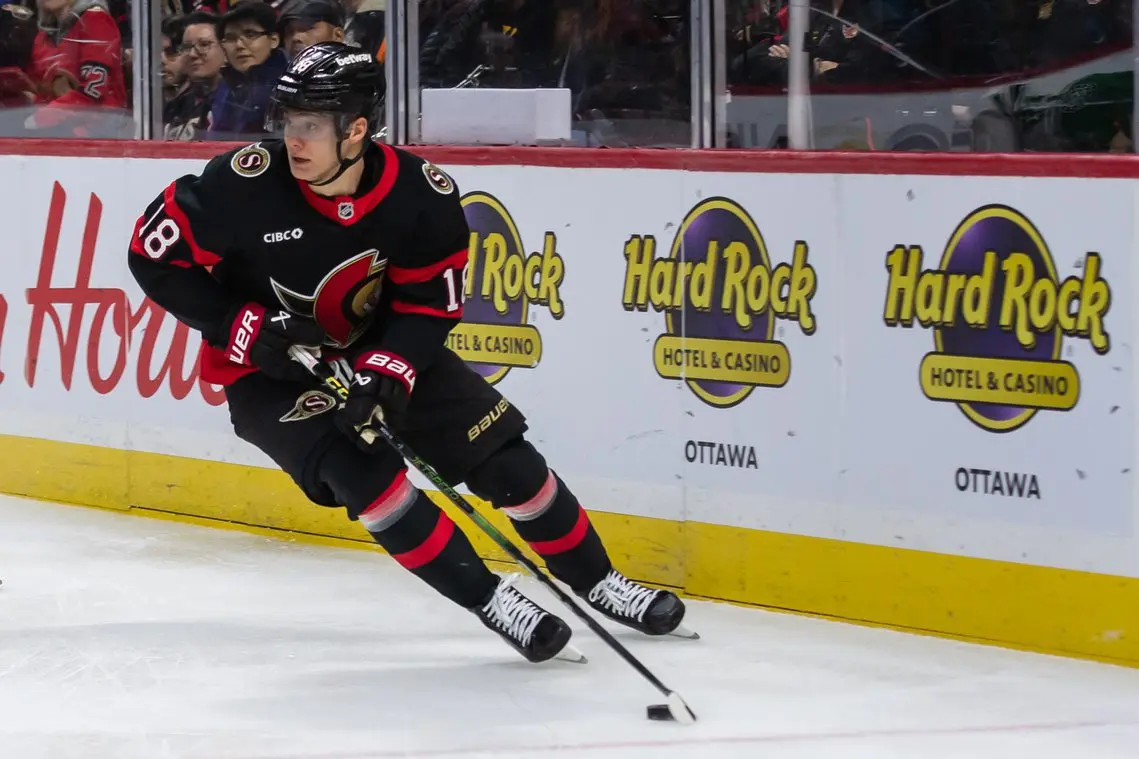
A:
x: 262, y: 339
x: 381, y: 389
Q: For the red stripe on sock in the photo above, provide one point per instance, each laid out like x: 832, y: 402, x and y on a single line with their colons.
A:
x: 393, y: 496
x: 428, y: 550
x: 567, y: 542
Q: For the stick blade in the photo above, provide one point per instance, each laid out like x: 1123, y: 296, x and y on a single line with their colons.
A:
x: 679, y: 710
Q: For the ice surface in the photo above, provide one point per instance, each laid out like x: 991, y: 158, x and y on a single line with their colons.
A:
x: 129, y: 637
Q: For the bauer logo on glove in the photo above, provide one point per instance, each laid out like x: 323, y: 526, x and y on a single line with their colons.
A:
x: 379, y: 394
x: 386, y: 363
x: 262, y: 339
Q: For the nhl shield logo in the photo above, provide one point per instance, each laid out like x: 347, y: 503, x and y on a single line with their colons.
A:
x: 310, y: 403
x: 346, y: 210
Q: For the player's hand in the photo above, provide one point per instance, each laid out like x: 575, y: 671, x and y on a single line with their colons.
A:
x: 380, y: 391
x: 262, y: 338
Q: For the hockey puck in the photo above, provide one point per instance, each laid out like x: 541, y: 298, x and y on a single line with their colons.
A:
x: 659, y: 712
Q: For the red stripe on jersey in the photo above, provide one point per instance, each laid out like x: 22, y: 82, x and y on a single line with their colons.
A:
x: 411, y: 308
x: 373, y: 196
x: 362, y: 206
x: 567, y: 542
x: 428, y: 550
x: 136, y: 239
x: 406, y: 275
x: 202, y: 257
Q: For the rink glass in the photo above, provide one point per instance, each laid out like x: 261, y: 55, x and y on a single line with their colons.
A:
x: 952, y: 75
x: 943, y: 75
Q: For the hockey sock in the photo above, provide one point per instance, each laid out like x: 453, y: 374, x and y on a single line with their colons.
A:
x: 425, y: 541
x: 558, y: 529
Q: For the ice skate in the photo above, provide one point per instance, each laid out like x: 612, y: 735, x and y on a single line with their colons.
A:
x: 527, y: 627
x: 648, y: 610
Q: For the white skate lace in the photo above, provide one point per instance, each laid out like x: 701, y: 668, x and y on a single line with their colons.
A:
x: 622, y: 596
x: 512, y: 612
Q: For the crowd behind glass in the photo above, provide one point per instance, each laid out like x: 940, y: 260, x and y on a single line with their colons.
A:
x: 953, y: 75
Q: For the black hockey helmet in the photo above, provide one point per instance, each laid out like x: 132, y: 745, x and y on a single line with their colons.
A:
x: 331, y: 77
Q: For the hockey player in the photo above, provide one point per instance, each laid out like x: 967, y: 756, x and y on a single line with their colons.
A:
x: 328, y: 240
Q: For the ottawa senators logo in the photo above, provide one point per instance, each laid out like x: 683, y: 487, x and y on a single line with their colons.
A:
x: 440, y: 182
x: 345, y: 300
x: 250, y: 161
x: 310, y: 403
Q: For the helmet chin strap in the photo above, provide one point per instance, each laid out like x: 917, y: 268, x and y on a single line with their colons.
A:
x: 345, y: 164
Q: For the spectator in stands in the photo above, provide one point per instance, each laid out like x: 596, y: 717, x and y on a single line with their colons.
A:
x: 17, y: 34
x: 365, y: 26
x: 1068, y: 28
x: 517, y: 40
x: 174, y: 80
x: 120, y: 10
x: 837, y: 50
x: 627, y: 65
x: 77, y: 65
x: 252, y: 48
x: 189, y: 111
x: 307, y: 22
x: 217, y: 7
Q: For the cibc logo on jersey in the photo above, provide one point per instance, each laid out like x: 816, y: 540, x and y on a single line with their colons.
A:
x: 999, y: 314
x: 718, y: 284
x: 500, y: 284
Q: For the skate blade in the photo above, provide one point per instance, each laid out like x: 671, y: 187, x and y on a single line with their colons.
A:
x: 572, y: 655
x: 683, y: 632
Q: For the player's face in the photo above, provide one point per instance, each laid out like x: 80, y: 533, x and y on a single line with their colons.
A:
x: 310, y: 139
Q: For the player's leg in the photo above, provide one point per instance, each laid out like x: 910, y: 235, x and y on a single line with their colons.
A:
x: 293, y: 425
x: 547, y: 515
x: 466, y: 429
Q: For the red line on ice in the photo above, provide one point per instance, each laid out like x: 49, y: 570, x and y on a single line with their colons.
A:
x: 712, y: 741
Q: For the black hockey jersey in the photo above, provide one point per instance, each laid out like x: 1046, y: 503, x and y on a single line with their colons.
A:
x: 381, y: 269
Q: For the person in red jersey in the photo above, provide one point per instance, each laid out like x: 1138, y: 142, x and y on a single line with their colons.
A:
x: 77, y: 62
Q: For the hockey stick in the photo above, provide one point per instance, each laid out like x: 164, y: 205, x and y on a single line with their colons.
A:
x: 675, y: 707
